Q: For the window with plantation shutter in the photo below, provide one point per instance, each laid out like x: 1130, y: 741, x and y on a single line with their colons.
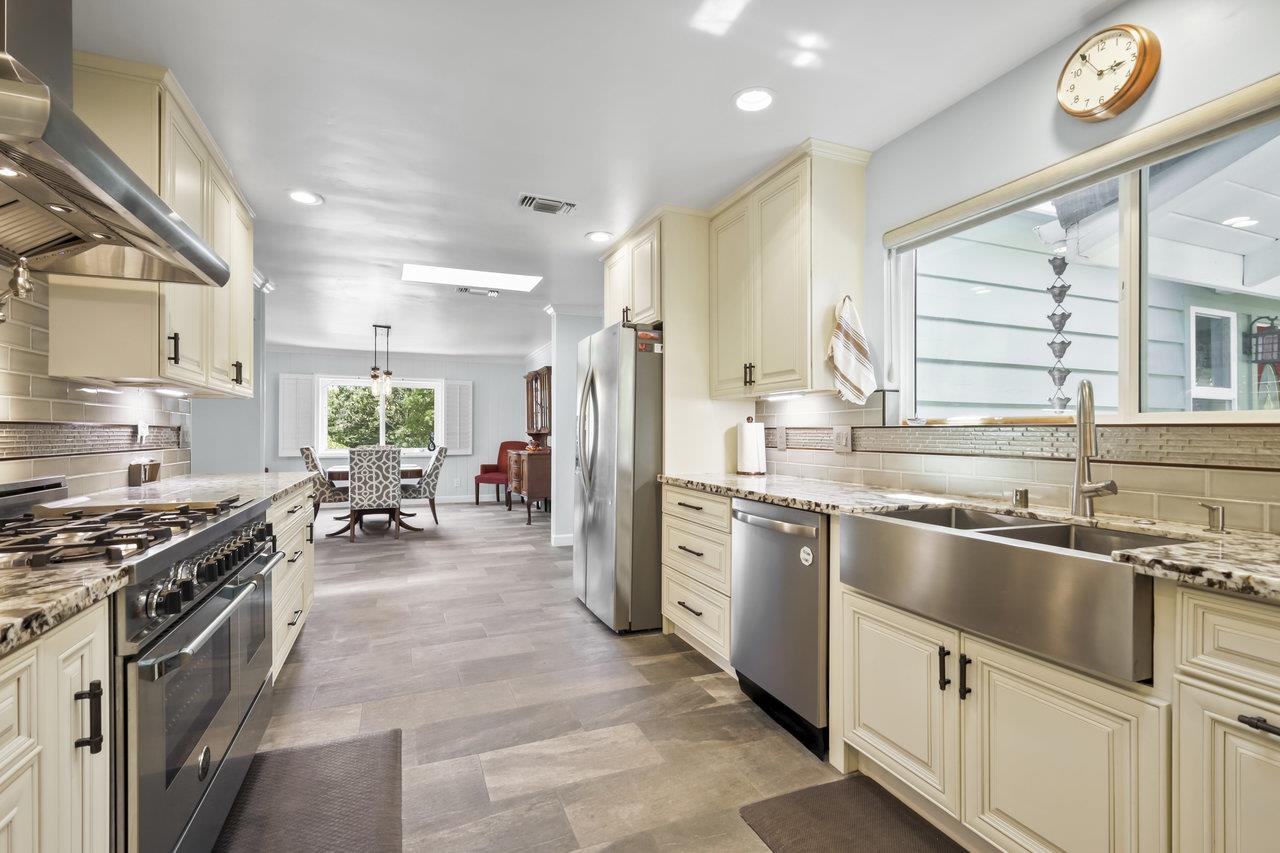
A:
x: 297, y: 412
x: 454, y: 430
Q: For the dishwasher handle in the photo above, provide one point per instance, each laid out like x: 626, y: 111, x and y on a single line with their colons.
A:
x: 790, y: 528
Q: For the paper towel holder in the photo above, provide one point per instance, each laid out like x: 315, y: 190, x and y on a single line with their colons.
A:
x: 751, y: 463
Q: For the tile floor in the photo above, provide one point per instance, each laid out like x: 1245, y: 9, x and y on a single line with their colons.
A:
x: 527, y: 724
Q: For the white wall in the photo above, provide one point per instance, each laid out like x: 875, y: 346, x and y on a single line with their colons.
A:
x: 1014, y: 127
x: 497, y: 402
x: 566, y: 331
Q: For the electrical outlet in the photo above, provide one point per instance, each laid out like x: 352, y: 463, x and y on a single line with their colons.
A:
x: 457, y: 482
x: 842, y: 439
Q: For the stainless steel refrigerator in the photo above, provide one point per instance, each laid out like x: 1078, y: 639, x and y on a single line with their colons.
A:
x: 616, y: 559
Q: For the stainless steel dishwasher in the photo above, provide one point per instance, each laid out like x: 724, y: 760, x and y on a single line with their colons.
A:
x: 778, y: 628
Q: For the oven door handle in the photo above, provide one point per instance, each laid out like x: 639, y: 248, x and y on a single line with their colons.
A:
x: 154, y: 669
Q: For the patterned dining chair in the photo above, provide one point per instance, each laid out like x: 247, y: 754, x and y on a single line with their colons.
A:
x: 375, y: 485
x: 326, y: 491
x: 424, y: 488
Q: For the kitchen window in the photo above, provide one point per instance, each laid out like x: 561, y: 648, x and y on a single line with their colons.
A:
x: 349, y: 414
x: 977, y: 293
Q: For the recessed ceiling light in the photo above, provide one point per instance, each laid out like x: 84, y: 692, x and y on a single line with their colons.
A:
x: 599, y: 236
x: 306, y: 197
x: 754, y: 99
x: 549, y: 310
x: 59, y: 208
x: 811, y: 41
x: 1240, y: 222
x: 9, y: 172
x: 805, y: 59
x: 477, y: 279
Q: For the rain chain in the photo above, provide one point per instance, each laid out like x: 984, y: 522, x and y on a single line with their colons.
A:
x: 1058, y: 345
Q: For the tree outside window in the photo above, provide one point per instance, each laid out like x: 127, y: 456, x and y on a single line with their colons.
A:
x: 351, y: 416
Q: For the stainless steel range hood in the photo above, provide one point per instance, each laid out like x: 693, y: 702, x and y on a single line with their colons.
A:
x: 68, y: 204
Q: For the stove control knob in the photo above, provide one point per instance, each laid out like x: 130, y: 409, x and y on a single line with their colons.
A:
x: 208, y: 571
x: 151, y: 603
x: 187, y: 587
x: 172, y: 602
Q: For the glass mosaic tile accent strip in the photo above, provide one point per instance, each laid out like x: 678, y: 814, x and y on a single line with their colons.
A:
x: 20, y: 440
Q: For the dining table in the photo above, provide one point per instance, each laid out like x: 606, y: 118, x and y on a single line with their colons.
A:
x: 337, y: 474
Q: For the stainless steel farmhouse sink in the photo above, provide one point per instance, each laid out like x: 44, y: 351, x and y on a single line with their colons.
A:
x: 1051, y: 589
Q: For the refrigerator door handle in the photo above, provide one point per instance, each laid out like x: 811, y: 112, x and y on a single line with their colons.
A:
x: 584, y: 454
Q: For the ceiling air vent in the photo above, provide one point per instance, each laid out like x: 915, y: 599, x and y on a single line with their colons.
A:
x: 546, y: 205
x: 478, y: 291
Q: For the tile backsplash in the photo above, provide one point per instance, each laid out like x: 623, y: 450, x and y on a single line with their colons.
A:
x: 1163, y: 472
x: 87, y: 433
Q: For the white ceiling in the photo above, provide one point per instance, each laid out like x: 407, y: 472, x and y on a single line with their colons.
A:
x: 422, y: 121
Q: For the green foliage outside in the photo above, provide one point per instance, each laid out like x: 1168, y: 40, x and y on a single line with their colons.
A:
x: 353, y: 416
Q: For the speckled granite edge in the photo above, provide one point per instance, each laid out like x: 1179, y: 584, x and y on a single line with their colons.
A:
x: 36, y: 601
x: 1244, y: 563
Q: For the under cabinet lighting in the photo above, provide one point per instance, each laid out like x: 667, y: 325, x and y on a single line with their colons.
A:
x: 1240, y: 222
x: 476, y: 279
x: 101, y: 391
x: 9, y: 172
x: 170, y: 392
x: 754, y: 99
x: 780, y: 397
x: 59, y: 208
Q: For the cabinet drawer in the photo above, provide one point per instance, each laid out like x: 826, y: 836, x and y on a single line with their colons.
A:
x: 288, y: 613
x: 292, y: 510
x: 17, y: 707
x: 698, y: 609
x: 701, y: 507
x: 700, y: 553
x: 295, y: 558
x: 1225, y: 639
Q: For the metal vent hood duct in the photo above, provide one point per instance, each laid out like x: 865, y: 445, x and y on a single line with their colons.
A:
x: 68, y: 204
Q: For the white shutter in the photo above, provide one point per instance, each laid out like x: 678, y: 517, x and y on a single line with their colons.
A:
x: 297, y: 413
x: 454, y: 430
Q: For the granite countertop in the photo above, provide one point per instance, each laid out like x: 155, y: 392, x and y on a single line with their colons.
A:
x: 33, y: 601
x: 1240, y: 562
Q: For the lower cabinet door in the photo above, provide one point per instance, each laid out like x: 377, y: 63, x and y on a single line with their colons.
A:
x: 901, y: 702
x: 1056, y: 761
x: 1227, y: 787
x: 75, y: 722
x: 20, y: 809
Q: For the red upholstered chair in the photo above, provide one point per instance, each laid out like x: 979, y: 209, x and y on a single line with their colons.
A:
x: 497, y: 474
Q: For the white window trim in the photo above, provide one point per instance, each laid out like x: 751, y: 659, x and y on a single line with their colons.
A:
x: 1211, y: 392
x: 324, y: 382
x: 1123, y: 158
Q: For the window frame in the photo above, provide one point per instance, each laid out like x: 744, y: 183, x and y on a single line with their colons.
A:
x: 1125, y: 158
x: 325, y: 381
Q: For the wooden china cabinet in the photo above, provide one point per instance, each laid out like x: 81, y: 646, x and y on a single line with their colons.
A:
x: 529, y: 470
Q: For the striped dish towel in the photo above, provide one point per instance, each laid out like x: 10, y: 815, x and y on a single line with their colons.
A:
x: 851, y: 356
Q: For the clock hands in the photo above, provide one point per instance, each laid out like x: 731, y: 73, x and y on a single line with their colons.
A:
x: 1085, y: 57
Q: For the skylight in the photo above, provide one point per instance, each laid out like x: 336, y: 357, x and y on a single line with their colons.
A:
x: 469, y: 278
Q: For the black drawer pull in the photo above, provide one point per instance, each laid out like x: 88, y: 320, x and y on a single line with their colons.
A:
x: 965, y: 690
x: 94, y: 695
x: 1260, y: 724
x: 943, y: 654
x: 297, y: 614
x: 297, y: 555
x: 292, y: 510
x: 691, y: 551
x: 690, y: 609
x: 689, y: 506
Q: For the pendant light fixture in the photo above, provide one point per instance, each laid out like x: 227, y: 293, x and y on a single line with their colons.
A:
x: 380, y: 376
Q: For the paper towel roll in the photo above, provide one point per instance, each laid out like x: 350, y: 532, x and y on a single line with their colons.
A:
x: 751, y: 447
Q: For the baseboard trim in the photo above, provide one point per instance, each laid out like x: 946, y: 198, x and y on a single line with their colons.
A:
x: 561, y: 539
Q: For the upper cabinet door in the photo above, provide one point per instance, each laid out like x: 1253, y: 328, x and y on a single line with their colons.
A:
x: 184, y: 307
x: 730, y: 302
x: 646, y: 277
x: 242, y: 306
x: 617, y: 285
x: 224, y: 238
x: 780, y: 214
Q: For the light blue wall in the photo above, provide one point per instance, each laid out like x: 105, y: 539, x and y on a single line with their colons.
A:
x: 1013, y: 126
x: 227, y: 435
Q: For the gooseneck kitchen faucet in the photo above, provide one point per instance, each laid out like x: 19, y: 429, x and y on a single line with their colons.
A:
x: 1082, y: 490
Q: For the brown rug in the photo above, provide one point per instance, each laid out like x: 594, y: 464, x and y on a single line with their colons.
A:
x: 852, y: 814
x: 339, y: 796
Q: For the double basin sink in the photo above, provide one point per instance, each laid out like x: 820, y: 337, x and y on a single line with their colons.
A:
x: 1049, y: 588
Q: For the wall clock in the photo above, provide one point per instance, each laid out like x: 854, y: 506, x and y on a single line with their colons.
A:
x: 1109, y: 72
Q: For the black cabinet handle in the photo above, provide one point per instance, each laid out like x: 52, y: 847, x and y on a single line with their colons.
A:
x: 94, y: 695
x: 690, y: 609
x: 751, y: 373
x: 297, y: 614
x: 239, y: 366
x: 311, y: 534
x: 176, y: 357
x: 690, y: 551
x: 689, y: 506
x: 965, y: 690
x: 1260, y: 724
x: 297, y: 555
x: 943, y: 654
x: 626, y: 314
x: 744, y: 374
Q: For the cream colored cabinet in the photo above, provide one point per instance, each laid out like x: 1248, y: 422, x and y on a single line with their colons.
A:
x: 159, y: 333
x: 617, y: 285
x: 1029, y: 755
x: 20, y: 807
x: 793, y: 242
x: 908, y: 722
x: 293, y: 581
x: 1227, y: 788
x: 75, y: 774
x: 696, y: 586
x: 731, y: 308
x: 242, y: 306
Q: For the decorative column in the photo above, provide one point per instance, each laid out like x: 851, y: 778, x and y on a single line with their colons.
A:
x: 1058, y: 344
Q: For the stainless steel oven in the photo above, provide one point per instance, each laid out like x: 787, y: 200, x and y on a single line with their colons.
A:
x: 196, y: 701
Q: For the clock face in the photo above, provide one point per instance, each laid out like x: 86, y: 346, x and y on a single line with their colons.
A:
x: 1108, y: 73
